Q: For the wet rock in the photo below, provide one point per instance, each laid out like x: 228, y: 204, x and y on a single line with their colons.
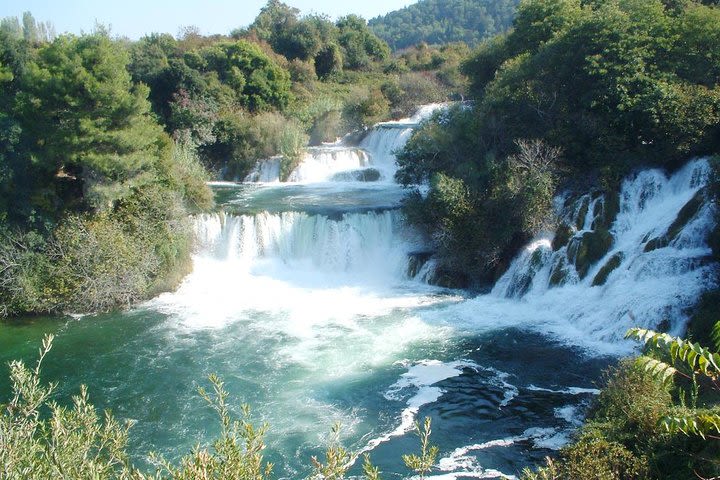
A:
x: 610, y: 266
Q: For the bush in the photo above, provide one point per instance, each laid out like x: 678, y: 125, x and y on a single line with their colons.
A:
x: 245, y: 139
x: 98, y: 262
x: 479, y: 212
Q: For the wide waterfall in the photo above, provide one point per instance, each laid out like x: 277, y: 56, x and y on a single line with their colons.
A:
x: 308, y: 298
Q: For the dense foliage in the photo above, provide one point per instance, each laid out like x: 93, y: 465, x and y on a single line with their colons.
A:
x: 605, y: 86
x: 444, y: 21
x: 94, y: 194
x: 286, y: 76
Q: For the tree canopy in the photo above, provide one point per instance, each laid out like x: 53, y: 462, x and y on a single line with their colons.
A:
x: 444, y: 21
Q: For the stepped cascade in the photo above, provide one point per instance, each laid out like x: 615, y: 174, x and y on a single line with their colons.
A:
x: 309, y: 299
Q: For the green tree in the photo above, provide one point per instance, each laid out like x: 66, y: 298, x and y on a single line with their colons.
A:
x: 89, y: 134
x: 360, y: 46
x: 444, y: 21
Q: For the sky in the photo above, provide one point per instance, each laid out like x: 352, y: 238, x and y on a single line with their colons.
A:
x: 135, y: 18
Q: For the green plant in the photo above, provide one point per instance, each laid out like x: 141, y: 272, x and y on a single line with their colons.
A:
x: 235, y: 455
x: 337, y: 459
x: 68, y: 443
x: 423, y: 463
x: 693, y: 362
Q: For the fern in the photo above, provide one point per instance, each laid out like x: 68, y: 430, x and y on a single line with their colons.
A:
x: 698, y: 359
x: 694, y: 422
x: 658, y: 369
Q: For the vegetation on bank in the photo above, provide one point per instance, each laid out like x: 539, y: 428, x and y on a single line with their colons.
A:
x: 438, y: 22
x: 577, y: 94
x: 658, y: 417
x: 94, y: 195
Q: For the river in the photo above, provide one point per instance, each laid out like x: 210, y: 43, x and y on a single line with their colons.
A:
x: 301, y: 301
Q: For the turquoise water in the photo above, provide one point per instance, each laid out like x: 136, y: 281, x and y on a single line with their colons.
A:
x: 308, y: 317
x: 301, y: 301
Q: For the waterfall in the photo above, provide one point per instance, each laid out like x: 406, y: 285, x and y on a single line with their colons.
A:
x: 646, y: 267
x: 321, y: 164
x: 309, y: 297
x: 372, y: 161
x: 371, y: 245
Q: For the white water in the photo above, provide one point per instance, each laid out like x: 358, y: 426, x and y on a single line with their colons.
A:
x: 332, y: 297
x: 646, y: 290
x: 335, y: 162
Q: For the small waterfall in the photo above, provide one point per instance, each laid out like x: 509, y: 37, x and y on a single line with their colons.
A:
x: 644, y: 267
x: 321, y: 164
x: 373, y: 160
x: 266, y: 171
x: 382, y: 142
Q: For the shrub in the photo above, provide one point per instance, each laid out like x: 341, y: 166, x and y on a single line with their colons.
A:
x: 245, y: 139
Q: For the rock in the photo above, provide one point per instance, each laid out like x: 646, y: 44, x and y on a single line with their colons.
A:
x: 606, y: 211
x: 587, y: 249
x: 361, y: 175
x: 559, y: 273
x: 610, y: 266
x: 416, y: 260
x: 562, y: 236
x: 686, y: 213
x: 582, y: 212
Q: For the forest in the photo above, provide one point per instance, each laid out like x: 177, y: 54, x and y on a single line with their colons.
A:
x: 438, y: 22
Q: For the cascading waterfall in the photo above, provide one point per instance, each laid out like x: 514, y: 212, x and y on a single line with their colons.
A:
x: 307, y: 298
x: 645, y: 267
x: 373, y: 160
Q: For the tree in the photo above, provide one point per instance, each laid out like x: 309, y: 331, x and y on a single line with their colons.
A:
x: 359, y: 44
x: 444, y: 21
x: 88, y: 132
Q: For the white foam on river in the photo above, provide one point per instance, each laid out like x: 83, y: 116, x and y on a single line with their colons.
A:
x: 326, y: 298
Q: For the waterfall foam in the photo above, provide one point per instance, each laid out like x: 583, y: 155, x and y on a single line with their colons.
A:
x: 654, y: 270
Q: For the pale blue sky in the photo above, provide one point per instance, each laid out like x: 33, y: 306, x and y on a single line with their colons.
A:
x: 134, y: 18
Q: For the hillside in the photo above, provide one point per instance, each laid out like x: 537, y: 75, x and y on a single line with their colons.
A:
x: 444, y: 21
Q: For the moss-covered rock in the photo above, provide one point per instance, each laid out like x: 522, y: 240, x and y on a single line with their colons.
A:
x: 703, y: 318
x: 361, y: 175
x: 559, y: 273
x: 687, y: 213
x: 582, y: 212
x: 588, y: 249
x: 655, y: 243
x: 448, y: 278
x: 416, y: 260
x: 606, y: 211
x: 562, y: 236
x: 684, y: 216
x: 610, y: 266
x: 522, y: 283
